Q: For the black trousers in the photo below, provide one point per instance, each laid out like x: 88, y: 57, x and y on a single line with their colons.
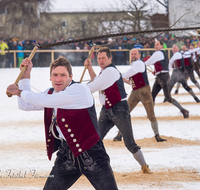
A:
x: 118, y: 115
x: 189, y: 73
x: 196, y: 67
x: 178, y: 76
x: 161, y: 82
x: 93, y: 163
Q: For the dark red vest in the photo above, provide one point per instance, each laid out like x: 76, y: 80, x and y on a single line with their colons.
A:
x: 139, y: 80
x: 78, y: 126
x: 114, y: 93
x: 162, y: 64
x: 187, y: 61
x: 179, y: 63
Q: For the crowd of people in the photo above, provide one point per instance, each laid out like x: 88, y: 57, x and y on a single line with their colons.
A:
x: 42, y: 59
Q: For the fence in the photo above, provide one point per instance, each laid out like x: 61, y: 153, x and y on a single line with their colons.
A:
x: 51, y: 55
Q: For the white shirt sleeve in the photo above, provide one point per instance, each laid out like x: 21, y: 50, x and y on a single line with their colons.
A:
x: 194, y: 50
x: 76, y: 96
x: 136, y: 67
x: 24, y: 84
x: 175, y: 57
x: 157, y: 56
x: 106, y: 79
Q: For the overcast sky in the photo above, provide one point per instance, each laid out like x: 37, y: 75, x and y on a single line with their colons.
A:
x: 84, y: 5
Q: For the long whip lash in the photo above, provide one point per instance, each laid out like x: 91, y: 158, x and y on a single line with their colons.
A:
x: 114, y: 35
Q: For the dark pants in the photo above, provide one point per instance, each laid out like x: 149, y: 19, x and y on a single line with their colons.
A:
x: 161, y: 82
x: 196, y: 68
x: 178, y: 76
x: 93, y: 163
x: 118, y: 115
x: 190, y: 73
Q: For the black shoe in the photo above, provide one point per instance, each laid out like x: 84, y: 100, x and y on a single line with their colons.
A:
x: 159, y: 139
x: 176, y: 92
x: 185, y: 113
x: 118, y: 137
x: 164, y: 100
x: 197, y: 99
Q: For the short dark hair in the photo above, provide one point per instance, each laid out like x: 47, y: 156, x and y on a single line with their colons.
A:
x: 61, y: 61
x: 105, y: 49
x: 161, y: 42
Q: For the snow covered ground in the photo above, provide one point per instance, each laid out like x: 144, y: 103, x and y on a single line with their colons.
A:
x: 21, y: 132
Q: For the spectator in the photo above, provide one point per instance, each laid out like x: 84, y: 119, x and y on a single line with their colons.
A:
x: 20, y: 55
x: 14, y: 47
x: 180, y: 43
x: 10, y: 55
x: 3, y: 47
x: 27, y: 46
x: 187, y: 42
x: 128, y: 46
x: 120, y: 54
x: 194, y: 41
x: 36, y: 56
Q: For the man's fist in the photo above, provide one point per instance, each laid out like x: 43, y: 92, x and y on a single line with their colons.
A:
x: 14, y: 90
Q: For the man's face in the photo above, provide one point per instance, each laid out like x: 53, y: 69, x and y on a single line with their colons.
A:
x: 135, y: 55
x: 184, y: 48
x: 158, y: 46
x: 60, y: 78
x: 175, y: 49
x: 191, y: 47
x: 103, y: 60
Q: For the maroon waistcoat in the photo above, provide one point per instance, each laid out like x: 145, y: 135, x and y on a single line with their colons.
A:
x: 187, y: 61
x: 114, y: 93
x: 176, y: 64
x: 77, y: 126
x: 139, y: 80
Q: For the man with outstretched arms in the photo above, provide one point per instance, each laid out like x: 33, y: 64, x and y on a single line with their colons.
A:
x: 70, y: 126
x: 115, y: 109
x: 160, y: 61
x: 177, y: 64
x: 187, y: 53
x: 137, y: 77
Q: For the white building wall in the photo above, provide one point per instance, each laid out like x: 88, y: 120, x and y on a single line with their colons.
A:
x: 178, y: 8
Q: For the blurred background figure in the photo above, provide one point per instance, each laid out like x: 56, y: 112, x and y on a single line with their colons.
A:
x: 3, y: 47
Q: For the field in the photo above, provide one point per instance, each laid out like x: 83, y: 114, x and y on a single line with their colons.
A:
x: 175, y: 164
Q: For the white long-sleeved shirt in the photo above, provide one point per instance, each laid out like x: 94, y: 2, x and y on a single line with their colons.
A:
x: 104, y: 80
x: 157, y: 56
x: 194, y: 57
x: 76, y: 96
x: 198, y: 52
x: 177, y: 55
x: 188, y: 53
x: 137, y: 66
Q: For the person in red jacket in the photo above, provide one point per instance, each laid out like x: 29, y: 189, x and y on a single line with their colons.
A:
x: 70, y: 127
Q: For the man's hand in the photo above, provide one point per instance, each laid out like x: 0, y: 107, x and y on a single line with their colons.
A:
x: 126, y: 81
x: 14, y: 90
x: 88, y: 63
x: 26, y: 62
